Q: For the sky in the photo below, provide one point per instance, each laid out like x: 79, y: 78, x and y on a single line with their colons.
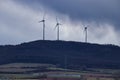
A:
x: 19, y: 20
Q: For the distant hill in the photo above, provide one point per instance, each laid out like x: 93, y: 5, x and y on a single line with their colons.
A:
x: 75, y: 55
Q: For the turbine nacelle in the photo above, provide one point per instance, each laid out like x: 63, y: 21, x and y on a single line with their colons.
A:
x: 85, y: 28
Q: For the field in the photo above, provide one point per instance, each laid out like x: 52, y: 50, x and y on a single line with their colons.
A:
x: 35, y: 71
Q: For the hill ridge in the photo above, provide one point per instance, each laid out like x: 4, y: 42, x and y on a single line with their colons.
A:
x: 53, y: 52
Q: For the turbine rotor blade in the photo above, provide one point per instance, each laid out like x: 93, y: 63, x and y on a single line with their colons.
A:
x: 56, y: 19
x: 56, y: 26
x: 44, y: 16
x: 60, y: 24
x: 41, y: 21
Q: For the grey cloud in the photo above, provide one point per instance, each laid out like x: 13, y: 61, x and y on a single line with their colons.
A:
x: 86, y: 10
x: 19, y: 20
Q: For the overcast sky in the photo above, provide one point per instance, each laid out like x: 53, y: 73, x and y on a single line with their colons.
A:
x: 19, y: 20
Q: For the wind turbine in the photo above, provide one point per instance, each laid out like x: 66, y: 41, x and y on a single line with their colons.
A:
x: 43, y: 21
x: 58, y: 28
x: 85, y: 30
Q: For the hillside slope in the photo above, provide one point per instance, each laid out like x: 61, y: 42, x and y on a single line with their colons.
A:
x: 75, y: 55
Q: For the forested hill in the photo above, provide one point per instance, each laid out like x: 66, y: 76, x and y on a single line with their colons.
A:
x: 74, y: 54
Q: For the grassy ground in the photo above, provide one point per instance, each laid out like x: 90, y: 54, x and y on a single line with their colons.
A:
x: 27, y: 71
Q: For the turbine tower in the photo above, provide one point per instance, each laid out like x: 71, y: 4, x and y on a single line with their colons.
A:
x: 58, y: 28
x: 43, y: 21
x: 85, y: 29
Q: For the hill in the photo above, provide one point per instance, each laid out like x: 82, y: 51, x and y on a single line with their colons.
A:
x: 75, y: 55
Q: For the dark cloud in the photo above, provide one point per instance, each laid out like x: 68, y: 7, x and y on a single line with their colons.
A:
x: 86, y: 10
